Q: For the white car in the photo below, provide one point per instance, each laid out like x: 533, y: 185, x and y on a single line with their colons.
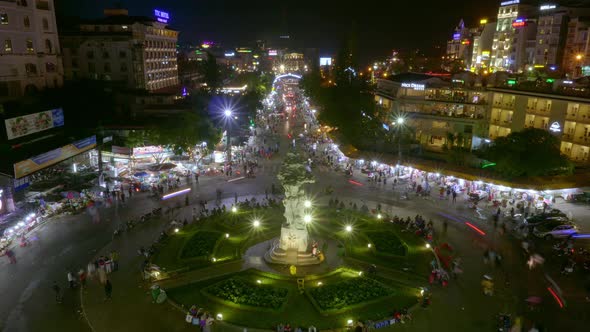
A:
x: 554, y: 232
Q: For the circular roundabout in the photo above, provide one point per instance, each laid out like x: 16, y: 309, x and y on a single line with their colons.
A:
x: 356, y: 266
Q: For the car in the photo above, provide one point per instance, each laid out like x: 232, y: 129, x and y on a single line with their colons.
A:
x: 555, y: 231
x: 539, y: 219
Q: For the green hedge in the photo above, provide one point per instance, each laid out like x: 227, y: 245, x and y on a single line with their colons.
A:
x: 348, y: 292
x: 240, y: 291
x: 200, y: 244
x: 387, y: 243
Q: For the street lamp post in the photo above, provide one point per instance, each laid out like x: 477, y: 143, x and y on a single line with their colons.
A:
x: 228, y: 118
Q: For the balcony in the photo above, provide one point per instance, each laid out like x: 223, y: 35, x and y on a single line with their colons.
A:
x: 41, y: 4
x: 581, y: 139
x: 578, y: 117
x: 501, y: 122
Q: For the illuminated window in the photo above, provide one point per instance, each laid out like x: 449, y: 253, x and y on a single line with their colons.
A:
x: 30, y: 47
x: 3, y: 18
x: 7, y: 45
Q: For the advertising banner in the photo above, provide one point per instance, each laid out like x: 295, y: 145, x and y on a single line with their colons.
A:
x: 34, y: 164
x: 33, y: 123
x: 121, y: 150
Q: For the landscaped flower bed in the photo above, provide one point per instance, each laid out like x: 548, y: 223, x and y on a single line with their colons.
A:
x: 240, y: 291
x: 387, y: 243
x: 200, y: 244
x: 348, y: 292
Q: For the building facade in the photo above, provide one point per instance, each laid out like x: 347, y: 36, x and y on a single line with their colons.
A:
x: 482, y: 47
x: 138, y: 52
x: 512, y: 17
x: 435, y: 108
x: 31, y: 57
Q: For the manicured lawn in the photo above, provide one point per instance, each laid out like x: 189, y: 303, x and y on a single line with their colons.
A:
x: 195, y: 245
x: 335, y: 296
x: 243, y: 291
x: 200, y: 244
x: 387, y: 243
x: 298, y: 309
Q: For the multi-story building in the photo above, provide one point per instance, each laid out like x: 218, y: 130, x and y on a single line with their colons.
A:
x: 565, y: 115
x: 435, y: 108
x: 294, y: 62
x: 512, y: 17
x: 482, y: 46
x: 139, y: 52
x: 576, y: 51
x: 460, y: 47
x: 30, y: 55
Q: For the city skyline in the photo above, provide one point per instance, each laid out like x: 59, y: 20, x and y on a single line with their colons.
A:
x: 309, y: 24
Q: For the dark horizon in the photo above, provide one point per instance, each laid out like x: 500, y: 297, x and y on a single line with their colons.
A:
x: 381, y: 26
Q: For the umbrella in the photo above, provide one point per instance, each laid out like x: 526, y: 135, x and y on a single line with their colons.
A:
x: 162, y: 167
x: 70, y: 194
x: 140, y: 174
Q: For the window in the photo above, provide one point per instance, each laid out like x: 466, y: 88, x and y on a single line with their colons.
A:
x: 105, y: 55
x: 124, y: 67
x: 23, y: 3
x: 3, y: 18
x: 48, y: 46
x: 50, y: 67
x: 7, y: 45
x: 122, y: 54
x: 27, y: 22
x: 45, y: 24
x: 30, y: 69
x: 91, y: 67
x: 90, y: 54
x: 30, y: 47
x: 107, y: 67
x: 74, y: 63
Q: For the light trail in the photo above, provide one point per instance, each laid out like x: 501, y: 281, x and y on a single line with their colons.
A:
x: 555, y: 296
x: 236, y: 179
x: 475, y: 228
x: 355, y: 183
x: 176, y: 193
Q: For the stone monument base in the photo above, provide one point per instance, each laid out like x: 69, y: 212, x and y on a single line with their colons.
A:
x: 276, y: 255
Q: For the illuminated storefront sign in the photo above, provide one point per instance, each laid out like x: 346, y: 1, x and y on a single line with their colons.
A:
x: 555, y: 127
x: 325, y: 61
x: 414, y: 86
x: 161, y: 16
x: 519, y: 23
x: 272, y: 52
x: 483, y: 21
x: 456, y: 36
x: 547, y: 7
x: 485, y: 53
x: 229, y: 54
x: 508, y: 3
x: 39, y: 162
x: 33, y: 123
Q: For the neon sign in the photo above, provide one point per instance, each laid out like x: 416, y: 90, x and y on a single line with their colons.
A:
x: 555, y: 127
x: 456, y: 36
x: 508, y: 3
x: 519, y: 23
x: 547, y: 7
x: 161, y: 16
x: 419, y: 87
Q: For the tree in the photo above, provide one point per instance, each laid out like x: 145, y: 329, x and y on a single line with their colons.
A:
x: 211, y: 72
x: 531, y: 152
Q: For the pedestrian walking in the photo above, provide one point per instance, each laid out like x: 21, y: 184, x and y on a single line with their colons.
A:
x: 57, y: 290
x: 108, y: 290
x: 82, y: 277
x: 11, y: 256
x: 115, y: 260
x: 454, y: 196
x: 71, y: 280
x: 91, y: 268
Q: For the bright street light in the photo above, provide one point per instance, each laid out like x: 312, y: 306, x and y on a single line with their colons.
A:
x: 307, y: 204
x: 234, y: 209
x: 400, y: 121
x: 307, y: 218
x: 256, y: 223
x: 348, y: 228
x: 228, y: 113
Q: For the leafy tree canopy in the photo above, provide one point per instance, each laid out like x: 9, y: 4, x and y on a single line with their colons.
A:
x: 530, y: 152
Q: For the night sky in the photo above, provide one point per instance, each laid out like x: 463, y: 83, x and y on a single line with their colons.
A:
x: 382, y: 25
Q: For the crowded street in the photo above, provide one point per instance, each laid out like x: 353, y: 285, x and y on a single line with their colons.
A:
x: 68, y: 243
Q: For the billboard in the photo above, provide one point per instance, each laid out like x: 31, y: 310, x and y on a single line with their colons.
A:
x: 37, y: 163
x: 33, y: 123
x: 161, y: 16
x: 325, y: 61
